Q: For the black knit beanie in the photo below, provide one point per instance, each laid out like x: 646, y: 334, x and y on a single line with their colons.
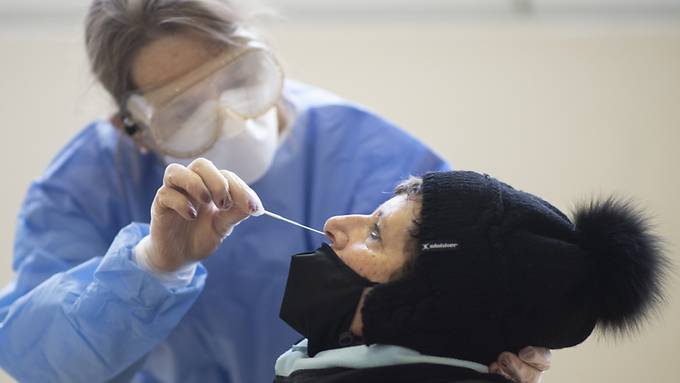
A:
x: 500, y: 269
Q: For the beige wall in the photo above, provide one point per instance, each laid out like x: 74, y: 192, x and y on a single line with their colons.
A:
x: 562, y: 109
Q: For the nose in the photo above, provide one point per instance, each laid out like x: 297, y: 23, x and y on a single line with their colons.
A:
x: 333, y: 231
x: 339, y: 228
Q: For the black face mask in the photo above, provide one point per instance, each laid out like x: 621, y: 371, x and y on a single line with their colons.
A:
x: 322, y: 294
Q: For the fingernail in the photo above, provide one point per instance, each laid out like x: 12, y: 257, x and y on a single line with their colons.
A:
x: 254, y: 203
x: 254, y: 207
x: 526, y: 354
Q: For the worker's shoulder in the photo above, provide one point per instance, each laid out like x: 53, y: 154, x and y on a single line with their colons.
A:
x: 303, y: 95
x: 328, y: 110
x: 335, y: 119
x: 92, y: 148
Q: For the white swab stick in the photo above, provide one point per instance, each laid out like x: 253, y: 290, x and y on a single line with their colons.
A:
x: 276, y: 216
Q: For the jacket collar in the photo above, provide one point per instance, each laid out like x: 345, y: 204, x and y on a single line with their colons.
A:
x: 376, y: 355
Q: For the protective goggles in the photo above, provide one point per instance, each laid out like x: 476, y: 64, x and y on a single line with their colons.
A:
x: 186, y: 117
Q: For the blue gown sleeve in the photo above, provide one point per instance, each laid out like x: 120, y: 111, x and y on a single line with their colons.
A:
x: 80, y: 309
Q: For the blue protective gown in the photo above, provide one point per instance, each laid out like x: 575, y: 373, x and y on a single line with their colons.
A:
x: 80, y: 310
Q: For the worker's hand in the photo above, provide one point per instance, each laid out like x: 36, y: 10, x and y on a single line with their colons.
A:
x: 194, y: 210
x: 528, y: 367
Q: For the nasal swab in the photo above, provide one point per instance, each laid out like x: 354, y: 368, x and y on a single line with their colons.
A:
x: 276, y: 216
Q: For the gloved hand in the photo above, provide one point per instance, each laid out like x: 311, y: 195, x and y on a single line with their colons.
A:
x: 528, y: 367
x: 194, y: 210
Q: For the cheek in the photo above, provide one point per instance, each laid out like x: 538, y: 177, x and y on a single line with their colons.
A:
x: 370, y: 265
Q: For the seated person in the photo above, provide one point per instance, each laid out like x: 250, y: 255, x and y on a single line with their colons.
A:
x: 456, y: 268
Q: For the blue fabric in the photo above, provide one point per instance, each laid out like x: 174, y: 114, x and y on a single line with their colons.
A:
x: 80, y: 310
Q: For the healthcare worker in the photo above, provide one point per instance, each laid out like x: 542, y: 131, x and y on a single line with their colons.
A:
x: 100, y: 294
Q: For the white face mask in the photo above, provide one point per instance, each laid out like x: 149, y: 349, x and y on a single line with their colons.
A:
x: 246, y: 147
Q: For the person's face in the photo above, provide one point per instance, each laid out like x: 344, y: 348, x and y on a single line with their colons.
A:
x: 163, y: 63
x: 375, y: 246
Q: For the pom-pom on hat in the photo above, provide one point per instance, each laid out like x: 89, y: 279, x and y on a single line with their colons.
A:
x: 499, y: 269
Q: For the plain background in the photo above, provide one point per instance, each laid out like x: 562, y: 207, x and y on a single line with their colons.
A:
x: 566, y: 107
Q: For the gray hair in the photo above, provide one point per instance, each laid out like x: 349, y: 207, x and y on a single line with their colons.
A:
x: 115, y: 30
x: 412, y: 189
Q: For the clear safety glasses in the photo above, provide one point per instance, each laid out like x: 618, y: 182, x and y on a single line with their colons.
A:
x: 186, y: 117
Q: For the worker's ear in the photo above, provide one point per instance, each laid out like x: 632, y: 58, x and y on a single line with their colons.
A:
x: 116, y: 121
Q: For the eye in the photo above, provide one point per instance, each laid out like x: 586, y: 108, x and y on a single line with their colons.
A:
x: 375, y: 232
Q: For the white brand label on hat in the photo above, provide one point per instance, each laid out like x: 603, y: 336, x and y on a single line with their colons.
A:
x: 439, y: 246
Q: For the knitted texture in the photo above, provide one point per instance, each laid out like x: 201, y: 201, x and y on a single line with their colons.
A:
x: 500, y: 269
